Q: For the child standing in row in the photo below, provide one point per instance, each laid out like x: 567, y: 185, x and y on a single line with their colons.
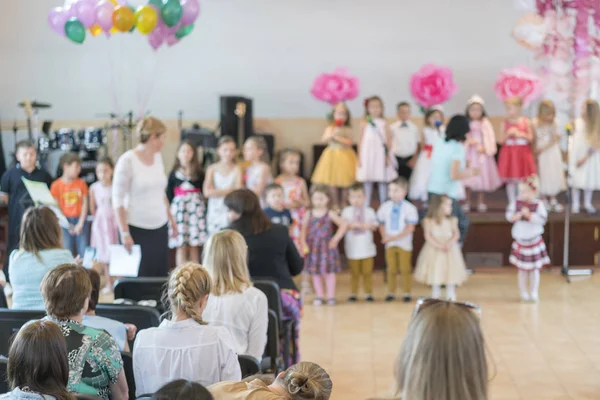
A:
x: 405, y: 141
x: 361, y: 221
x: 441, y: 261
x: 184, y: 192
x: 258, y: 173
x: 397, y: 219
x: 528, y: 216
x: 71, y: 194
x: 322, y: 259
x: 275, y: 208
x: 222, y: 178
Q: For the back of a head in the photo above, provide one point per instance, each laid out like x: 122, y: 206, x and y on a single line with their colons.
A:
x: 95, y: 281
x: 307, y: 380
x: 182, y: 389
x: 149, y: 126
x: 38, y: 360
x: 65, y: 290
x: 225, y: 258
x: 252, y: 219
x: 188, y: 285
x: 40, y: 230
x: 457, y: 128
x: 443, y: 356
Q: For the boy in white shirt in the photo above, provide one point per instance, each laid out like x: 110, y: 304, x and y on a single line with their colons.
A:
x: 405, y: 141
x: 397, y: 218
x: 358, y: 241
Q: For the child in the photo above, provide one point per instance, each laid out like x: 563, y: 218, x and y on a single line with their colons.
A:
x: 222, y: 178
x: 397, y: 220
x: 585, y: 156
x: 360, y: 249
x: 258, y: 173
x: 322, y: 259
x: 71, y: 193
x: 105, y: 231
x: 549, y: 156
x: 275, y: 209
x: 376, y: 163
x: 184, y: 192
x: 337, y: 165
x: 515, y: 162
x: 481, y: 149
x: 434, y: 129
x: 441, y: 261
x: 405, y: 141
x: 528, y: 216
x: 15, y: 194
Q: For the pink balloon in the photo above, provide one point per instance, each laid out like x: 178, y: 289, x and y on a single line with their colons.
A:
x: 172, y: 40
x: 191, y: 10
x: 57, y: 17
x: 157, y: 37
x: 104, y: 12
x: 85, y: 11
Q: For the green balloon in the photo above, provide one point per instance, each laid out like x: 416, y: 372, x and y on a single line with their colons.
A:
x: 133, y: 26
x: 75, y: 30
x: 156, y: 3
x: 171, y: 12
x: 184, y: 31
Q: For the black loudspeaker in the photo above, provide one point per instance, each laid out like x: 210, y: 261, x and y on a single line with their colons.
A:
x: 237, y: 118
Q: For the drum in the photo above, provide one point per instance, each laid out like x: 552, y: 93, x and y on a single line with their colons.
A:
x: 43, y: 144
x: 66, y: 139
x: 93, y: 138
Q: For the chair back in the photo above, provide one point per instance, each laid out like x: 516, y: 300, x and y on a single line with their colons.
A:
x: 3, y: 301
x: 10, y: 323
x: 272, y: 351
x: 4, y: 388
x: 138, y: 289
x: 128, y: 369
x: 249, y: 365
x: 271, y: 290
x: 140, y: 316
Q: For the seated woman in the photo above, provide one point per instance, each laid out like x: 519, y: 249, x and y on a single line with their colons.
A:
x: 184, y: 347
x: 182, y: 390
x: 95, y: 364
x: 271, y: 252
x: 41, y: 249
x: 119, y: 331
x: 38, y: 367
x: 305, y: 380
x: 234, y: 303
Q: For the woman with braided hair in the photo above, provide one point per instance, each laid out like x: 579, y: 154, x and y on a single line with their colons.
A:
x: 184, y: 346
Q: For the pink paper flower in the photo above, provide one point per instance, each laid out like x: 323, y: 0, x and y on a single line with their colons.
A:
x: 335, y: 87
x: 432, y: 85
x: 518, y: 82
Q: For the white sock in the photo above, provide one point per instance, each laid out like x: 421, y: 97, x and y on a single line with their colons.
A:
x: 451, y: 292
x: 368, y: 191
x: 511, y: 192
x: 576, y: 198
x: 534, y: 281
x: 587, y: 198
x: 382, y: 188
x: 436, y: 291
x: 522, y: 277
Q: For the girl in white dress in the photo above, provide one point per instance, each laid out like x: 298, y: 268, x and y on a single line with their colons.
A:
x: 434, y: 129
x: 222, y: 178
x: 549, y: 156
x: 584, y: 157
x: 258, y: 173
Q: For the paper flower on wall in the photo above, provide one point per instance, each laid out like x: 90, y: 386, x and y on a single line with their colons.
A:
x: 518, y: 82
x: 531, y: 31
x: 335, y: 87
x: 432, y: 85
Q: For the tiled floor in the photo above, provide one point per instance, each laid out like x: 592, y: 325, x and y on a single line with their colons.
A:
x: 548, y: 351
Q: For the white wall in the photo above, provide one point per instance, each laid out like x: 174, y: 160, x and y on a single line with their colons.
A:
x: 270, y: 50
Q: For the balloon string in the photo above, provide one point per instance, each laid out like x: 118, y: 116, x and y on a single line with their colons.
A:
x: 145, y: 95
x: 115, y: 104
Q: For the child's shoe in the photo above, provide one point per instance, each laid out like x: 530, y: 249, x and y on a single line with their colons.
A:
x: 525, y: 297
x: 352, y: 299
x: 390, y: 297
x: 318, y: 301
x: 369, y: 298
x: 331, y: 302
x: 406, y: 298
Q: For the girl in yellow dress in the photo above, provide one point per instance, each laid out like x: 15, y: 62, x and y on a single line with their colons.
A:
x: 337, y: 166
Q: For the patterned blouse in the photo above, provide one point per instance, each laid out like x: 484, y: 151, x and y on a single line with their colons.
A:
x: 94, y: 359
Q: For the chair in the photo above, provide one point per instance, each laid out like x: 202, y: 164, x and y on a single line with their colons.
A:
x: 128, y: 368
x: 138, y: 289
x: 271, y: 356
x: 10, y: 323
x: 3, y: 301
x: 249, y: 365
x: 4, y: 388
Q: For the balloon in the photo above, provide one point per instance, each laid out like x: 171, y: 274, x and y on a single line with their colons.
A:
x: 191, y: 10
x: 95, y: 30
x: 146, y: 19
x: 156, y: 3
x: 104, y: 12
x: 75, y: 30
x: 172, y: 40
x: 114, y: 30
x: 133, y: 11
x: 171, y: 12
x: 114, y: 2
x: 155, y: 40
x: 57, y: 17
x: 122, y: 18
x: 85, y: 11
x: 184, y: 31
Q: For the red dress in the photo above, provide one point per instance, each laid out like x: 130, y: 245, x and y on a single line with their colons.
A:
x: 515, y: 161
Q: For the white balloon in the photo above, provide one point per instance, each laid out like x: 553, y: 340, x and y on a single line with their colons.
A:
x: 525, y: 5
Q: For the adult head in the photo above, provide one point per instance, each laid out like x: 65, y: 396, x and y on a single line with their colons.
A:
x: 305, y: 380
x: 151, y: 132
x: 226, y: 260
x: 443, y: 355
x: 457, y: 128
x: 245, y: 213
x: 182, y: 389
x: 66, y: 291
x: 40, y: 231
x: 95, y: 295
x: 38, y: 360
x: 188, y: 290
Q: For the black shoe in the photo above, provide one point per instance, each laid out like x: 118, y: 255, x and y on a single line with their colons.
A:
x: 369, y: 298
x: 390, y: 297
x: 352, y: 299
x: 407, y: 298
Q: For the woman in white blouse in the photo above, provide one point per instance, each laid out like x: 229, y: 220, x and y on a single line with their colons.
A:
x: 235, y: 303
x: 140, y: 200
x: 184, y: 347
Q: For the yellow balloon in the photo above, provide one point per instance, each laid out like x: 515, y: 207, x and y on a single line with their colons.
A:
x: 123, y: 18
x: 146, y: 19
x: 95, y: 30
x: 114, y: 2
x: 114, y: 30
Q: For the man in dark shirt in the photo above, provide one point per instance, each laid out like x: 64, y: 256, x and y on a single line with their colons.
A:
x: 15, y: 194
x: 275, y: 209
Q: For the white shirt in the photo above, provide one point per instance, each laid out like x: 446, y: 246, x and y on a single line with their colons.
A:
x: 246, y: 317
x: 183, y: 350
x: 395, y: 218
x: 405, y: 139
x: 359, y: 244
x: 523, y: 230
x: 141, y: 189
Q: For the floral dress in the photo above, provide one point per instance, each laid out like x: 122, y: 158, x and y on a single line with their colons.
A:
x: 320, y: 258
x: 189, y: 209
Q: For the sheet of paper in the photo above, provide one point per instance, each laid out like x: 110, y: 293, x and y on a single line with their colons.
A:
x: 123, y: 263
x: 40, y: 194
x: 88, y: 257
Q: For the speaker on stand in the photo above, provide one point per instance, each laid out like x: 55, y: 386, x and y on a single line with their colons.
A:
x: 237, y: 118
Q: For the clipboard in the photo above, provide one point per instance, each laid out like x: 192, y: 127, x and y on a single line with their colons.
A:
x: 41, y: 196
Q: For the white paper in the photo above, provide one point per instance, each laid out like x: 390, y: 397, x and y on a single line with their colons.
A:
x: 40, y: 194
x: 89, y: 257
x: 123, y: 263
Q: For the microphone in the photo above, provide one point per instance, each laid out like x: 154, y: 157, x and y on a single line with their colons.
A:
x: 438, y: 124
x: 370, y: 121
x: 569, y: 129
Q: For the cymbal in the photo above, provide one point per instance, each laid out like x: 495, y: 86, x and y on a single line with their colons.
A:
x: 35, y: 104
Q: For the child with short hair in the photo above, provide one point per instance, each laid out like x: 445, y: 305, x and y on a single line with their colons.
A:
x: 405, y: 140
x: 71, y: 193
x: 358, y: 242
x: 275, y: 209
x: 397, y: 219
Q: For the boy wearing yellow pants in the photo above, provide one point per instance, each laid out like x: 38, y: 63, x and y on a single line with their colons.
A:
x: 398, y: 218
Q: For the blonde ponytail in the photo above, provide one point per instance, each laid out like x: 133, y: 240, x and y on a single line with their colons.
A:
x: 188, y: 284
x: 307, y: 380
x: 149, y: 126
x: 592, y: 123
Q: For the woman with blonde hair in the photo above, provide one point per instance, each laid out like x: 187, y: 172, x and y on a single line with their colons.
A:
x: 184, y: 346
x: 235, y: 303
x: 301, y: 381
x: 140, y: 201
